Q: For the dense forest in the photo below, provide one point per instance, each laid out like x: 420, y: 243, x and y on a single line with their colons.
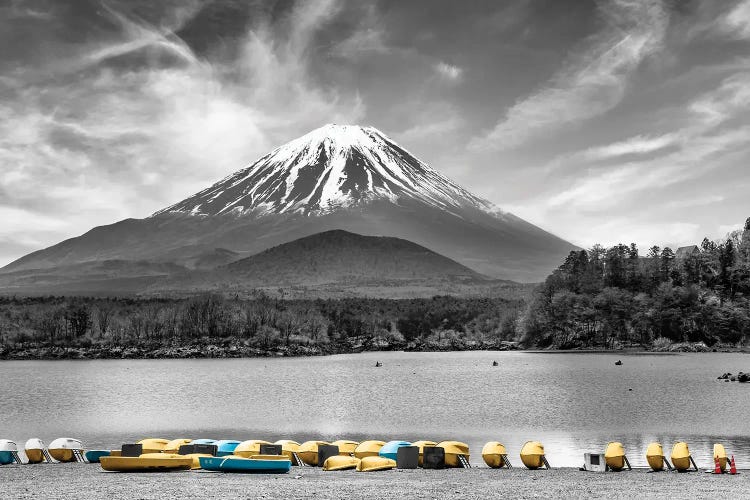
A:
x: 211, y: 325
x: 614, y: 297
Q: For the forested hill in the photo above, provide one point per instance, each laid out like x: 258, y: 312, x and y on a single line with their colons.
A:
x: 614, y: 297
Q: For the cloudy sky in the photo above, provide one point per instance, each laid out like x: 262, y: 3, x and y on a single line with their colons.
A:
x: 601, y: 121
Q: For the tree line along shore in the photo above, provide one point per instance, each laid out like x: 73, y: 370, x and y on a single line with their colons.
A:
x: 695, y: 299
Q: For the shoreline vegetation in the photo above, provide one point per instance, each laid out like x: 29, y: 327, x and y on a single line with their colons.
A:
x: 694, y: 300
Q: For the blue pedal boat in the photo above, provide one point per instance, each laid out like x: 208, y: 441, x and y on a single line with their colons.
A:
x: 226, y: 447
x: 93, y: 456
x: 203, y: 441
x: 390, y: 449
x: 246, y: 465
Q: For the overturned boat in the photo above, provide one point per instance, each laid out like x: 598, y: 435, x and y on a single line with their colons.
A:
x: 390, y: 449
x: 655, y: 457
x: 532, y: 455
x: 495, y: 455
x: 456, y: 453
x: 681, y: 458
x: 340, y: 462
x: 421, y: 445
x: 66, y: 450
x: 9, y: 452
x: 36, y: 451
x: 147, y: 462
x: 261, y: 464
x: 614, y: 457
x: 368, y: 448
x: 375, y: 463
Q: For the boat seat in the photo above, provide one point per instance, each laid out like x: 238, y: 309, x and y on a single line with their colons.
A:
x: 206, y: 449
x: 131, y: 450
x: 325, y: 451
x: 433, y: 457
x: 271, y: 449
x: 407, y: 457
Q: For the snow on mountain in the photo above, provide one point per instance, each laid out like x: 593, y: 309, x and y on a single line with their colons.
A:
x: 332, y: 167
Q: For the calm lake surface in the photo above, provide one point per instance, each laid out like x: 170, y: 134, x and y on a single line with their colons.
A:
x: 572, y: 402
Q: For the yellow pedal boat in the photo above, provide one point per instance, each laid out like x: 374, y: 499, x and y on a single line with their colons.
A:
x: 248, y: 448
x: 153, y: 445
x: 288, y: 449
x: 148, y: 462
x: 375, y: 463
x: 455, y: 453
x: 614, y: 456
x: 532, y: 455
x: 655, y: 457
x: 340, y: 462
x: 34, y: 449
x: 421, y: 445
x: 494, y: 454
x: 681, y: 459
x: 173, y: 446
x: 368, y: 448
x: 720, y: 454
x: 308, y: 451
x: 66, y: 449
x: 346, y: 447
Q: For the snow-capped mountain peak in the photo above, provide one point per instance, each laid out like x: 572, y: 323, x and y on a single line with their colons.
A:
x: 330, y: 168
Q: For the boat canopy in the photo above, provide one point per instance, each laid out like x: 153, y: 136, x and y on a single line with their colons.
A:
x: 66, y: 444
x: 249, y: 447
x: 346, y: 447
x: 390, y: 449
x: 8, y: 445
x: 368, y: 448
x: 34, y: 444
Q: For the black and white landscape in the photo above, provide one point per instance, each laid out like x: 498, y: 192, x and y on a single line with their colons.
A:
x: 479, y: 223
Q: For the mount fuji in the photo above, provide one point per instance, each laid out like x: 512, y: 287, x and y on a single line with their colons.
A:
x: 337, y: 177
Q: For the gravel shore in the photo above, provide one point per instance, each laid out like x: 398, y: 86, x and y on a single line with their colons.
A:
x: 89, y: 481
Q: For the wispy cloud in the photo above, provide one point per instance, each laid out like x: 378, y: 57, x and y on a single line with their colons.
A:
x: 637, y: 145
x: 591, y: 83
x: 120, y: 130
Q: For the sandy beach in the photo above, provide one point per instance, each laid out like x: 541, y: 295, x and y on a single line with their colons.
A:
x: 89, y: 481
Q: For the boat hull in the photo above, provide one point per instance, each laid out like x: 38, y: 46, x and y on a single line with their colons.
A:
x: 308, y: 452
x: 421, y: 445
x: 246, y: 465
x: 614, y: 456
x: 153, y: 445
x: 681, y: 457
x: 94, y: 456
x: 655, y: 457
x: 62, y: 454
x: 532, y: 455
x: 390, y: 449
x: 454, y: 450
x: 6, y: 457
x: 372, y: 464
x: 151, y: 463
x: 340, y: 462
x: 35, y: 456
x: 492, y: 454
x: 720, y: 454
x: 368, y: 449
x: 249, y: 448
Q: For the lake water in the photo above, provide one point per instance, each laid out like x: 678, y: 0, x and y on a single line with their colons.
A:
x: 572, y: 402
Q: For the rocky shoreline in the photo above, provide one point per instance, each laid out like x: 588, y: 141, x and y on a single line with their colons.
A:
x: 232, y: 349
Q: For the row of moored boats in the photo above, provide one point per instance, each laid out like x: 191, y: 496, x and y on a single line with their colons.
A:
x: 258, y: 456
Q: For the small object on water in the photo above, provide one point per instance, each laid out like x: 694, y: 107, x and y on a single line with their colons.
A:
x: 618, y: 363
x: 378, y: 364
x: 494, y: 363
x: 630, y: 389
